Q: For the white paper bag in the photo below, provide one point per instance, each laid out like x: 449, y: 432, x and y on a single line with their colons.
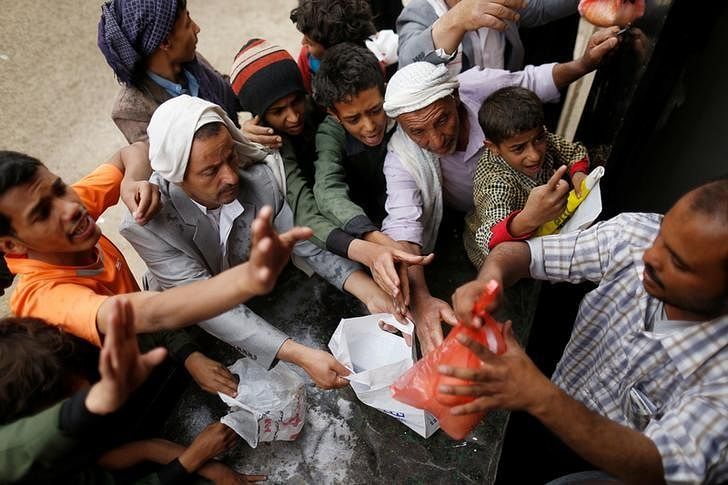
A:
x: 270, y: 405
x: 377, y: 358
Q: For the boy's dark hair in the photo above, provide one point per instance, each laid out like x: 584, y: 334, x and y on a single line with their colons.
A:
x: 346, y: 70
x: 331, y: 22
x: 510, y: 111
x: 15, y: 169
x: 38, y: 363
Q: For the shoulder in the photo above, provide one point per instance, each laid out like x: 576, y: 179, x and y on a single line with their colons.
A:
x: 258, y: 186
x: 329, y: 126
x: 418, y: 10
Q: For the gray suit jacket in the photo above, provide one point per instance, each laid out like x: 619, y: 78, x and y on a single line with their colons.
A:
x: 180, y: 246
x: 414, y: 27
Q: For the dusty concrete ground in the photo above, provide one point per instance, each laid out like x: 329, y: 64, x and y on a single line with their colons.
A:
x: 56, y: 90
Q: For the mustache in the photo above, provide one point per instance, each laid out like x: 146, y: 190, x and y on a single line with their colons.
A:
x: 653, y: 275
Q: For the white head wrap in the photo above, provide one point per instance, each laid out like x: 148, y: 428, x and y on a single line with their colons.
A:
x: 173, y: 126
x: 417, y: 85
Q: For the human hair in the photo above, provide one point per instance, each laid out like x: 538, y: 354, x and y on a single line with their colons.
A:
x: 15, y: 169
x: 711, y: 201
x: 346, y: 69
x: 331, y: 22
x: 508, y: 112
x: 208, y: 130
x: 139, y: 71
x: 38, y: 363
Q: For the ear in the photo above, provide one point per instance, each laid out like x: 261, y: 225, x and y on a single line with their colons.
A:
x: 491, y: 146
x: 165, y: 44
x: 334, y: 114
x: 11, y: 245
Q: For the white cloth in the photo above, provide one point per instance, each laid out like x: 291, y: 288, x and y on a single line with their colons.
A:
x: 383, y: 45
x: 424, y: 167
x: 416, y: 86
x: 222, y: 220
x: 172, y: 129
x: 488, y: 45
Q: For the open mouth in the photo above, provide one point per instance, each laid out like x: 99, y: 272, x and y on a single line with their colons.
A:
x: 372, y: 140
x: 84, y: 228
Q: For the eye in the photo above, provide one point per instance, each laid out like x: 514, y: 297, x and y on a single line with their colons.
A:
x: 417, y: 132
x: 442, y: 120
x: 376, y: 110
x: 518, y: 148
x: 353, y: 120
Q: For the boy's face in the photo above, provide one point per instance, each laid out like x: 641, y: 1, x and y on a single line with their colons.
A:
x: 363, y: 116
x: 212, y: 176
x: 523, y: 152
x: 47, y: 217
x: 314, y: 48
x: 286, y: 115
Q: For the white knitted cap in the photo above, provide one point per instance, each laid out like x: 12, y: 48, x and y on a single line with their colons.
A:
x: 417, y: 85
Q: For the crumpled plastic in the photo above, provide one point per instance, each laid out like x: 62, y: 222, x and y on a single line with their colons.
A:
x: 605, y: 13
x: 418, y: 387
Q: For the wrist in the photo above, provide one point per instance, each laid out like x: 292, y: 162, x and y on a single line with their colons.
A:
x: 291, y: 352
x: 522, y: 224
x: 191, y: 459
x: 546, y: 397
x: 358, y: 252
x: 192, y: 359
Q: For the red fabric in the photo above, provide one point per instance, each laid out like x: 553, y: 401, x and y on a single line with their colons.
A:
x: 303, y: 67
x: 256, y: 66
x: 580, y: 166
x: 500, y: 233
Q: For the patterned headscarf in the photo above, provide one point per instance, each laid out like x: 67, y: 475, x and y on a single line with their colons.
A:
x: 130, y: 30
x: 417, y: 85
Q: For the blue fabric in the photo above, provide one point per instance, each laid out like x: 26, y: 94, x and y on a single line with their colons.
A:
x: 130, y: 30
x: 174, y: 89
x: 313, y: 64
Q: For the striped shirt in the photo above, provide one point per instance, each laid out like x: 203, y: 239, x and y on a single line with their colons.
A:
x: 499, y: 190
x: 671, y: 384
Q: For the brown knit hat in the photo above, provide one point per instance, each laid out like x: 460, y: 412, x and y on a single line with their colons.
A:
x: 263, y: 73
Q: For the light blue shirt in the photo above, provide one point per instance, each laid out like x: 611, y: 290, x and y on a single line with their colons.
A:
x: 174, y: 89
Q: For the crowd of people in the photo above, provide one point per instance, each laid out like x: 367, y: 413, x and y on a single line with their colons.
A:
x: 352, y: 157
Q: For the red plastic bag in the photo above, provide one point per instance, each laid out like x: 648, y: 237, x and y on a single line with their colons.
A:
x: 418, y: 386
x: 605, y: 13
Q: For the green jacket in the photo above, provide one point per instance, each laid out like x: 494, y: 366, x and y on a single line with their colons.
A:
x: 349, y: 187
x: 57, y: 445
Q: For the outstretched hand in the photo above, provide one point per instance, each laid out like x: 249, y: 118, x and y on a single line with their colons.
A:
x: 122, y: 367
x: 493, y: 14
x: 507, y: 381
x: 270, y: 251
x: 211, y: 375
x: 465, y: 296
x: 429, y: 313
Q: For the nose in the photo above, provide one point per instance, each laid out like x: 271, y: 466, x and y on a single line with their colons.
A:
x: 651, y: 256
x: 369, y: 125
x: 532, y: 154
x: 197, y: 27
x: 70, y: 210
x: 292, y: 116
x: 229, y: 175
x: 437, y: 141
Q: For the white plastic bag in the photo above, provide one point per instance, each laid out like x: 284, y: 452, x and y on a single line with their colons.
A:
x: 377, y: 358
x: 590, y: 207
x: 270, y: 405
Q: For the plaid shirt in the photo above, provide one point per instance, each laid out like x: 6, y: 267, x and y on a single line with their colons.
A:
x: 672, y: 386
x: 500, y: 189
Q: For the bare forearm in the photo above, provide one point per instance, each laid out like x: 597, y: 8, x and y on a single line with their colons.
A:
x: 184, y: 305
x: 568, y: 72
x: 623, y: 452
x: 508, y: 262
x: 135, y: 160
x: 360, y: 285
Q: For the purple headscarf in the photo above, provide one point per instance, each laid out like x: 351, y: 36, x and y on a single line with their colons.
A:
x: 130, y: 30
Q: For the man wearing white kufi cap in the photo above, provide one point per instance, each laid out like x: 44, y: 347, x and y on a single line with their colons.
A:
x: 211, y: 188
x: 432, y: 156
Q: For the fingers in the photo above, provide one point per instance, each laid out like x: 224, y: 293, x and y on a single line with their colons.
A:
x: 226, y: 381
x: 478, y: 406
x: 292, y: 236
x: 480, y: 350
x: 143, y: 196
x: 261, y: 134
x: 404, y: 284
x: 339, y: 368
x: 448, y: 316
x: 385, y: 274
x: 553, y: 182
x: 262, y: 225
x: 254, y: 478
x: 153, y: 358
